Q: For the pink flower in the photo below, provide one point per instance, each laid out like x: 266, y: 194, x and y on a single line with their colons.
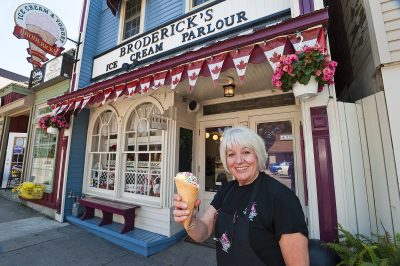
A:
x: 278, y: 83
x: 318, y: 73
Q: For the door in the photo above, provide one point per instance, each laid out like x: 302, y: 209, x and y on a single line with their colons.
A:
x: 14, y: 161
x: 211, y: 173
x: 282, y: 141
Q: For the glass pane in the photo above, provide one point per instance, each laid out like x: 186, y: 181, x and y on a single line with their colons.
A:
x: 215, y: 173
x: 199, y: 2
x: 95, y: 143
x: 185, y: 149
x: 155, y: 147
x: 113, y: 143
x: 43, y: 161
x: 278, y: 139
x: 130, y: 142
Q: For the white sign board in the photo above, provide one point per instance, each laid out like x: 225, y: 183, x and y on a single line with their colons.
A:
x: 195, y: 28
x: 53, y: 68
x: 158, y: 122
x: 286, y: 137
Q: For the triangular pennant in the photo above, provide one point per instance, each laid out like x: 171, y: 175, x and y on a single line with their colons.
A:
x: 215, y: 66
x: 273, y: 50
x: 118, y: 90
x: 176, y: 75
x: 159, y: 79
x: 63, y: 106
x: 71, y: 102
x: 241, y: 59
x: 289, y: 48
x: 57, y: 107
x: 131, y: 85
x: 78, y: 101
x: 305, y: 38
x: 193, y: 71
x: 107, y: 93
x: 145, y: 84
x: 321, y: 39
x: 85, y: 101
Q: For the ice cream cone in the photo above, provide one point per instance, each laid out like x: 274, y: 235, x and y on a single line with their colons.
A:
x: 189, y: 192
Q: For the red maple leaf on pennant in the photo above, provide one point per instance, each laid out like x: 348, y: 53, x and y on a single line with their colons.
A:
x: 176, y: 80
x: 193, y: 76
x: 216, y: 70
x: 275, y: 58
x: 242, y: 65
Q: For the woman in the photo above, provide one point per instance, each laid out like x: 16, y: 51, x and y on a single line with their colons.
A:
x: 258, y: 221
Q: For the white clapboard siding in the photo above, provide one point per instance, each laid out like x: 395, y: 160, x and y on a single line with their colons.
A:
x: 356, y: 188
x: 390, y: 165
x: 367, y: 169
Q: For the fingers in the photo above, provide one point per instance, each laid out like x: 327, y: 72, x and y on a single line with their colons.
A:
x: 180, y: 212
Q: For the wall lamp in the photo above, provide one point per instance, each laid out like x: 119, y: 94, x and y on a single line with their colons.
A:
x: 229, y: 90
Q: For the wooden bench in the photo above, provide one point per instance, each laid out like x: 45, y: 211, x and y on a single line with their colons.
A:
x: 108, y: 208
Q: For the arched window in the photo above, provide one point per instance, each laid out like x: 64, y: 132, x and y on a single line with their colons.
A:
x: 142, y: 152
x: 103, y: 151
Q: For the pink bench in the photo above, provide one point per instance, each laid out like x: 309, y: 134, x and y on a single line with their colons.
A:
x: 108, y: 208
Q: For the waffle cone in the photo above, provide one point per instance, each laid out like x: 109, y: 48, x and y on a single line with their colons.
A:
x: 189, y: 194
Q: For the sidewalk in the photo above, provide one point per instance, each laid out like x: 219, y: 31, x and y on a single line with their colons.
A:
x: 29, y: 238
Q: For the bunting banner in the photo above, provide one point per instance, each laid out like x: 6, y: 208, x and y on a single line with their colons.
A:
x: 193, y: 71
x: 71, y: 102
x: 131, y: 85
x: 118, y: 90
x: 241, y: 59
x: 107, y: 92
x: 176, y: 75
x: 273, y: 50
x: 321, y: 41
x: 85, y: 101
x: 78, y: 101
x: 63, y: 106
x: 159, y: 79
x: 215, y: 66
x: 55, y: 108
x: 305, y: 38
x: 145, y: 84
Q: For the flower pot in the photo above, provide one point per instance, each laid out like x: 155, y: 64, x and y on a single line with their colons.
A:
x: 302, y: 91
x: 52, y: 130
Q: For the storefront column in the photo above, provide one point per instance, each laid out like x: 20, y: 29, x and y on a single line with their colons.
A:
x: 326, y: 100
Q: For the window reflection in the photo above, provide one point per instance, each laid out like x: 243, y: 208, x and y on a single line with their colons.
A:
x: 278, y: 137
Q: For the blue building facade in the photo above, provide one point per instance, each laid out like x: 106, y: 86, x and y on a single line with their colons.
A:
x: 158, y: 82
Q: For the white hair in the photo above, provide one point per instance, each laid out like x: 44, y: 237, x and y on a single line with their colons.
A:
x: 243, y: 136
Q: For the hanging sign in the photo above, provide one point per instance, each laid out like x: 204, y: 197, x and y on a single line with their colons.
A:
x: 43, y: 29
x: 208, y: 23
x: 158, y: 122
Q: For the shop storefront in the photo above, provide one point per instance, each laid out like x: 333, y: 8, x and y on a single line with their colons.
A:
x: 153, y: 106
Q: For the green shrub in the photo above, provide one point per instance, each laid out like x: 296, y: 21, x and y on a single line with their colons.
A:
x: 361, y: 250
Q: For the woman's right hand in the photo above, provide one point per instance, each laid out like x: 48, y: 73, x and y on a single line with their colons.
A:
x: 180, y: 209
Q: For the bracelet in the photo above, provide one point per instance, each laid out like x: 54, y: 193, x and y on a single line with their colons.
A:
x: 192, y: 225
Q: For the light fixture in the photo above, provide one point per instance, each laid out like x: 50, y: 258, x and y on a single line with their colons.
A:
x: 215, y: 137
x: 207, y: 135
x: 229, y: 90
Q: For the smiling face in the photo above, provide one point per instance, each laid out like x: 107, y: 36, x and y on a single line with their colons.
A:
x: 242, y: 163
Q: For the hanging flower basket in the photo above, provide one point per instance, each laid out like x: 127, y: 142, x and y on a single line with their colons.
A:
x: 52, y: 124
x: 310, y: 66
x: 52, y: 130
x: 302, y: 91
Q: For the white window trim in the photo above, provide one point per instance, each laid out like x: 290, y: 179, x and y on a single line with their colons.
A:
x: 189, y: 7
x: 137, y: 198
x: 122, y: 21
x: 118, y: 193
x: 110, y: 194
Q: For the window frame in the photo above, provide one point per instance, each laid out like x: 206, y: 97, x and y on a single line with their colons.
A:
x: 30, y: 156
x: 122, y: 20
x: 89, y: 157
x: 189, y: 5
x: 138, y: 198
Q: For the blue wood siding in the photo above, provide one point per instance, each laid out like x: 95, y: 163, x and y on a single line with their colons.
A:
x: 90, y: 42
x: 160, y: 11
x: 108, y: 32
x: 76, y: 157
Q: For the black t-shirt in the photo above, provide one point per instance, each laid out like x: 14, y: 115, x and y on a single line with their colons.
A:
x: 278, y: 212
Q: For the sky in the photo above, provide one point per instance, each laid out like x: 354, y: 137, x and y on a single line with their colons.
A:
x: 13, y: 52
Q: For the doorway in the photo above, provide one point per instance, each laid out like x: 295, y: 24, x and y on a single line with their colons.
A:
x: 280, y: 129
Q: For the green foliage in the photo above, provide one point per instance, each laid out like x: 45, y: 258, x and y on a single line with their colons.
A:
x: 361, y: 250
